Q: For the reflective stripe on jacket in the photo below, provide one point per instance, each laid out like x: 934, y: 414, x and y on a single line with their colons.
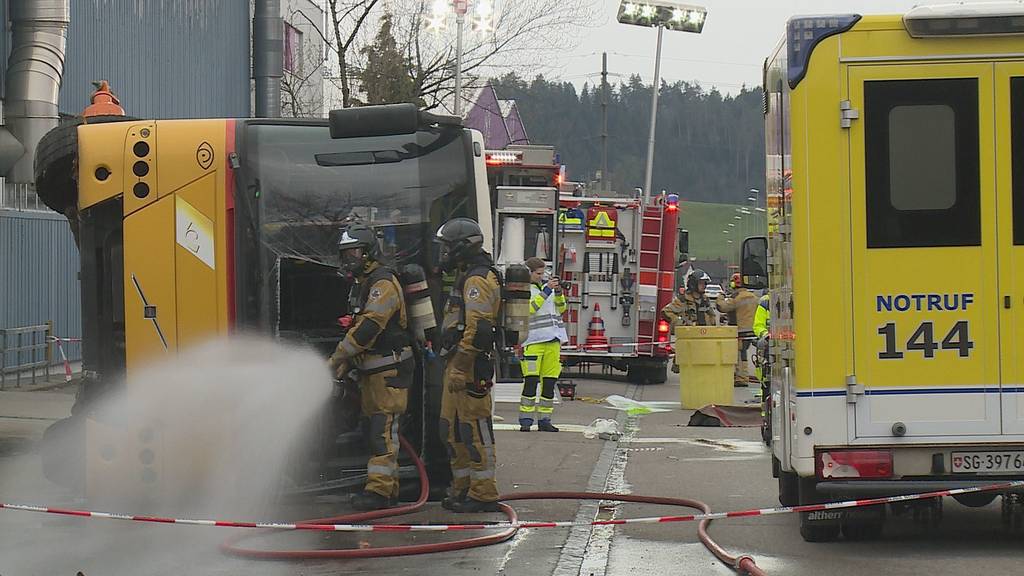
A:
x: 546, y: 309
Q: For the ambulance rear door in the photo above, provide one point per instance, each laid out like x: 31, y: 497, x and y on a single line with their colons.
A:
x: 924, y: 252
x: 1009, y: 121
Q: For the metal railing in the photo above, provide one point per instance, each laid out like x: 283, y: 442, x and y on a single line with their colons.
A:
x: 29, y: 346
x: 21, y: 196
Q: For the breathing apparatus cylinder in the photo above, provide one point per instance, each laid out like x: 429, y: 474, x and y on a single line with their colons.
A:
x: 419, y: 307
x: 517, y: 304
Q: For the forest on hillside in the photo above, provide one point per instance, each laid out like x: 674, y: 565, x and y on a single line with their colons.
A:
x: 709, y: 146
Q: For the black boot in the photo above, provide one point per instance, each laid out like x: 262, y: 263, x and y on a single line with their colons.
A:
x: 470, y: 506
x: 546, y: 426
x: 524, y: 425
x: 451, y: 500
x: 367, y: 501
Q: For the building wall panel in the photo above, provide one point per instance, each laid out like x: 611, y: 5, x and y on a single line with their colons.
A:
x: 163, y: 58
x: 39, y: 274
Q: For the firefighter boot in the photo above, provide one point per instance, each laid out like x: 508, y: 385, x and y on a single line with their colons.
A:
x: 454, y: 498
x: 471, y: 505
x: 367, y: 501
x: 545, y: 425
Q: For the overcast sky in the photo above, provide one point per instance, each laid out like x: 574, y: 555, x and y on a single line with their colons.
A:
x: 737, y: 37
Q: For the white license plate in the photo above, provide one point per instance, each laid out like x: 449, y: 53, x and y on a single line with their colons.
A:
x: 988, y: 462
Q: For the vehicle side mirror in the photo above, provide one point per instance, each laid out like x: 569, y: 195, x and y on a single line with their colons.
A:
x: 684, y: 244
x: 754, y: 262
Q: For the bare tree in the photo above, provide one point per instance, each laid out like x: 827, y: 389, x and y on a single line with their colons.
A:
x: 524, y: 36
x: 346, y: 20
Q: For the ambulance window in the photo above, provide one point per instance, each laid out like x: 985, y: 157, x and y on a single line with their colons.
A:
x: 922, y: 157
x: 1017, y: 152
x: 921, y: 162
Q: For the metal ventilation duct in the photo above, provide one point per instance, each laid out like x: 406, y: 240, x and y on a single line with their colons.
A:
x: 268, y: 57
x: 34, y: 70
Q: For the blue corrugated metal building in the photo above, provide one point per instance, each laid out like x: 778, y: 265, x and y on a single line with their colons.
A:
x: 164, y: 59
x: 39, y: 274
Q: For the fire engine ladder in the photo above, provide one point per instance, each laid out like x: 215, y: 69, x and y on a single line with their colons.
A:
x: 650, y: 263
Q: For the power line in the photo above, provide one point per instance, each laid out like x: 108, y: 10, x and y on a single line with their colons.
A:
x: 674, y: 59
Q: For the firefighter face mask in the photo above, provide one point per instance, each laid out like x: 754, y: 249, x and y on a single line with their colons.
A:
x: 445, y: 257
x: 353, y: 260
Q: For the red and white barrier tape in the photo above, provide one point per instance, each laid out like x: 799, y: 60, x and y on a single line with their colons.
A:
x: 1016, y: 484
x: 60, y: 348
x: 605, y: 347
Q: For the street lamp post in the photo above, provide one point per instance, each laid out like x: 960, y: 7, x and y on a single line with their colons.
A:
x: 482, y: 22
x: 460, y: 19
x: 660, y: 14
x: 649, y: 171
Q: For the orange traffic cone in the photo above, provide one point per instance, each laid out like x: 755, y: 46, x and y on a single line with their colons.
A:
x: 595, y: 331
x: 104, y: 102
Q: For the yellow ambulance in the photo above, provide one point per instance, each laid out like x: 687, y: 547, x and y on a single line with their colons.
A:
x: 895, y: 155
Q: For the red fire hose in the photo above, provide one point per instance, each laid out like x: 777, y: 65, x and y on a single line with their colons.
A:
x: 231, y: 546
x: 743, y: 564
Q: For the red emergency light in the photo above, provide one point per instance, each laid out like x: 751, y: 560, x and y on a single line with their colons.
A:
x: 672, y: 202
x: 663, y: 329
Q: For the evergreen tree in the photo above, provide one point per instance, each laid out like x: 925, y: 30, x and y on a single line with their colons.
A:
x: 709, y: 146
x: 386, y: 78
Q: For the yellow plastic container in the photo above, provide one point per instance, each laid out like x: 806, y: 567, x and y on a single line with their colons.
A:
x: 706, y: 356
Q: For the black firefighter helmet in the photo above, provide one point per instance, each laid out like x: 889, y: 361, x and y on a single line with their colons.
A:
x: 460, y: 239
x: 357, y: 247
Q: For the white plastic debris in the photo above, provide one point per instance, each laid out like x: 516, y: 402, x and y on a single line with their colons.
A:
x: 603, y: 428
x: 634, y: 407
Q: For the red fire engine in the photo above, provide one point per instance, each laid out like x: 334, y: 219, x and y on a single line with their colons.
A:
x: 617, y: 254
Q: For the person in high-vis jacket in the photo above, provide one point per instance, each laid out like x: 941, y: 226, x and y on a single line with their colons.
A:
x: 377, y: 353
x: 468, y: 341
x: 542, y: 350
x: 762, y: 317
x: 761, y: 328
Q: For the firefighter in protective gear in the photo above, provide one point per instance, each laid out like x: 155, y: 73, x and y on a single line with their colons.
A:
x: 693, y: 308
x: 468, y: 333
x: 542, y: 350
x: 743, y: 303
x: 377, y: 353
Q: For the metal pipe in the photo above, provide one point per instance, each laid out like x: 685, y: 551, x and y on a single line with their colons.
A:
x: 268, y: 57
x: 34, y: 70
x: 654, y: 116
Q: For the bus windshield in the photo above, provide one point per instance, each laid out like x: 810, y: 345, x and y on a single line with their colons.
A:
x: 298, y: 187
x: 308, y: 185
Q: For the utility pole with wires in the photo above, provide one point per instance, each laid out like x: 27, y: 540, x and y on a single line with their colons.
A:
x: 604, y: 121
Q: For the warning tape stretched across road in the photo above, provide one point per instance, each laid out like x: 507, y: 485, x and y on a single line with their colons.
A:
x: 505, y: 525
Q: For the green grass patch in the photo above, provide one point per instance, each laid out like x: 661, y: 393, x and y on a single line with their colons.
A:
x: 705, y: 222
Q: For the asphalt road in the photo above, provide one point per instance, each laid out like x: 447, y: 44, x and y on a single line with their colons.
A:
x: 660, y: 455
